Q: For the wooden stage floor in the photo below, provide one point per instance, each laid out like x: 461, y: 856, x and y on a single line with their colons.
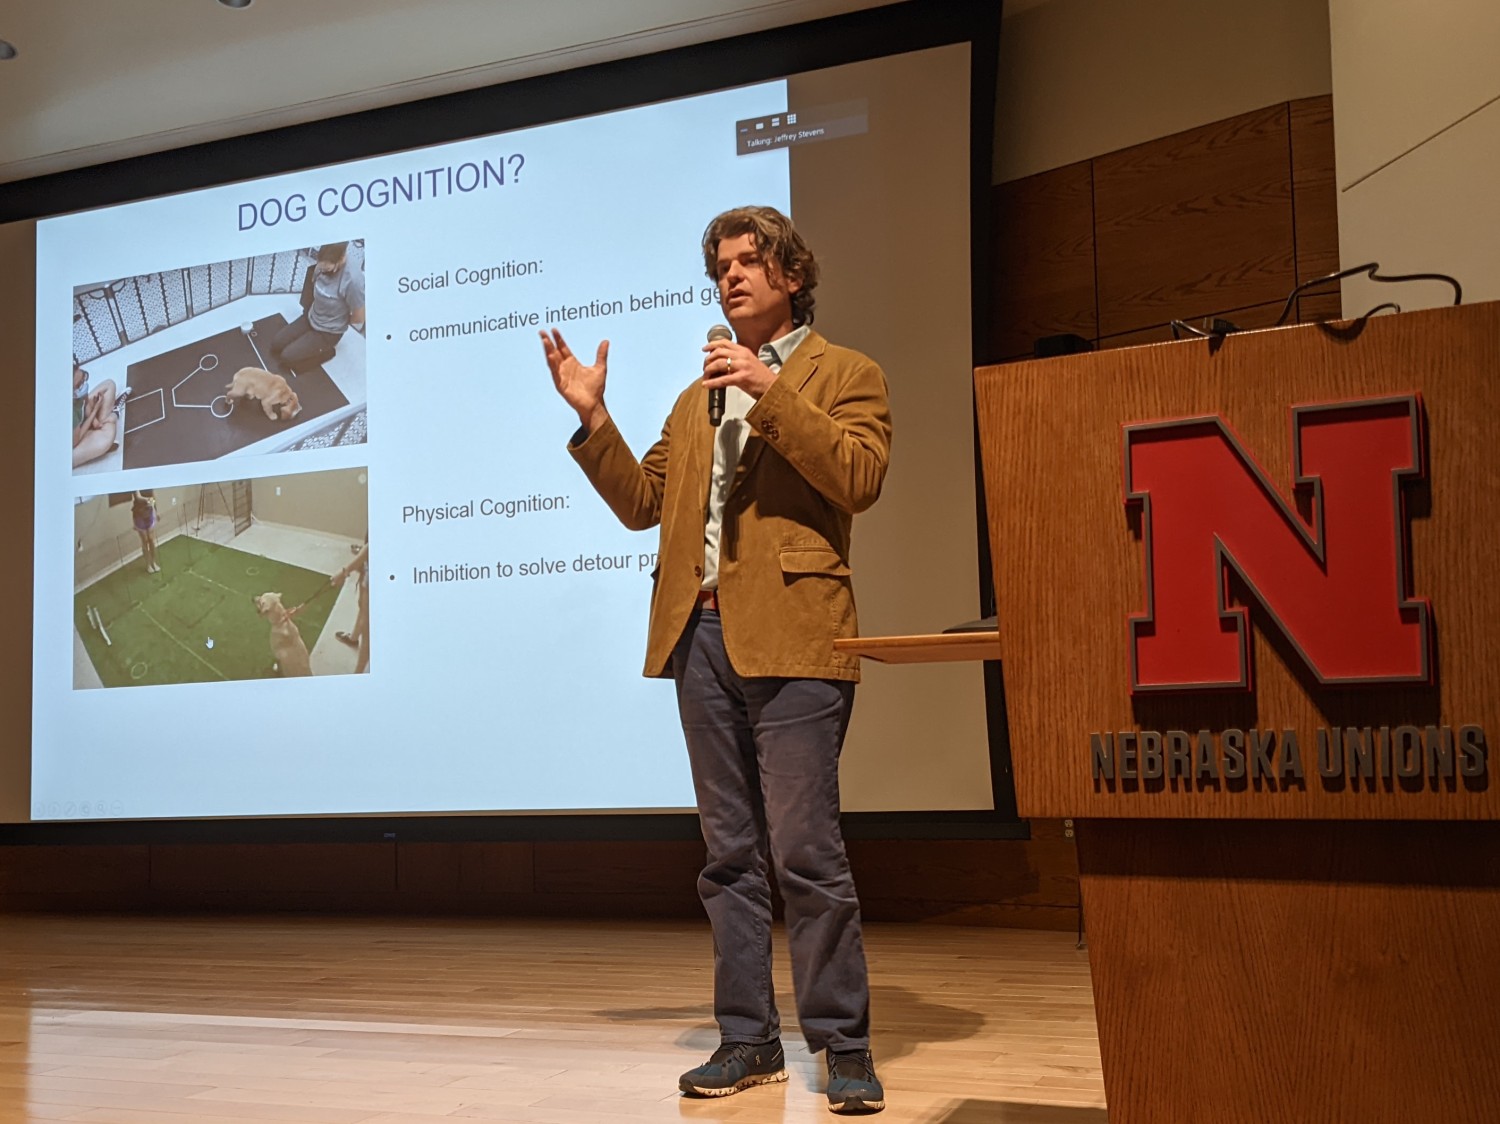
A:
x: 225, y: 1020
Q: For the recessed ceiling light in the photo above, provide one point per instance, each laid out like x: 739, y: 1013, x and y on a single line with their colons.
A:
x: 235, y: 3
x: 7, y: 50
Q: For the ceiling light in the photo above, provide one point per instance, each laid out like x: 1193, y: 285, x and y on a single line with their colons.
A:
x: 235, y: 3
x: 7, y: 50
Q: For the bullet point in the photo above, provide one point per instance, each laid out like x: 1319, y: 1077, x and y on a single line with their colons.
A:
x: 387, y: 337
x: 393, y: 577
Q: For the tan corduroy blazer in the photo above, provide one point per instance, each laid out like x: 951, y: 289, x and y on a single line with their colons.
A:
x: 817, y: 453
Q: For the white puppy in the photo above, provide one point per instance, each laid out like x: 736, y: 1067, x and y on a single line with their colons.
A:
x: 286, y: 641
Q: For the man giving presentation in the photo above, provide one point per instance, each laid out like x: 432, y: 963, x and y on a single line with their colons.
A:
x: 752, y: 590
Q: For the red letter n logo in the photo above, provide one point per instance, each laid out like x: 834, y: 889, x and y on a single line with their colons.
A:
x: 1337, y: 585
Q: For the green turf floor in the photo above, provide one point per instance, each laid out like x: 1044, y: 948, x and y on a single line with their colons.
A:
x: 161, y: 624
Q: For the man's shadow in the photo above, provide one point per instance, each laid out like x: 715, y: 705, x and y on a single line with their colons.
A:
x: 1016, y: 1112
x: 904, y: 1021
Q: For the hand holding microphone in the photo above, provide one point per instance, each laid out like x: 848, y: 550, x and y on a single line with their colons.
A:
x: 727, y: 363
x: 717, y: 334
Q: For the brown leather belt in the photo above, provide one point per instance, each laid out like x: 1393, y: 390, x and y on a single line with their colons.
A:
x: 708, y: 599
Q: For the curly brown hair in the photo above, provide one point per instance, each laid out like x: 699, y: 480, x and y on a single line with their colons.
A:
x: 777, y: 241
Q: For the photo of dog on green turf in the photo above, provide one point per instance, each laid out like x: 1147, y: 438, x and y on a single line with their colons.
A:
x: 229, y: 580
x: 288, y: 649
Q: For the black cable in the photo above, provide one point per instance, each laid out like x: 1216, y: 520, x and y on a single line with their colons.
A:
x: 1373, y: 270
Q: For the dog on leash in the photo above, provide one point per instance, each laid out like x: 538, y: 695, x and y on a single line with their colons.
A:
x: 276, y: 398
x: 287, y: 647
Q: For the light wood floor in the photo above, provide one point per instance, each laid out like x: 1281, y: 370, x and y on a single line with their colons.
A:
x: 121, y: 1020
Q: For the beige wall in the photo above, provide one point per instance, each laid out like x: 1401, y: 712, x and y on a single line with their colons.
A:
x: 1417, y: 135
x: 918, y: 736
x: 97, y: 522
x: 1079, y: 78
x: 335, y: 503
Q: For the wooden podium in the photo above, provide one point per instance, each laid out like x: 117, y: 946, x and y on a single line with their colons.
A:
x: 1271, y: 941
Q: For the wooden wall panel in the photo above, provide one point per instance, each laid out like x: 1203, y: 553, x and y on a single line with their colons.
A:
x: 1031, y: 885
x: 465, y: 869
x: 1194, y: 222
x: 431, y: 868
x: 660, y: 867
x: 290, y: 867
x: 1027, y: 884
x: 1043, y: 259
x: 969, y: 872
x: 1314, y: 187
x: 1216, y: 221
x: 1317, y: 307
x: 1311, y: 309
x: 75, y: 870
x: 1246, y: 319
x: 497, y: 868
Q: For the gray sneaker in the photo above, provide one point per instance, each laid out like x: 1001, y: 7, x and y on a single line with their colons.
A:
x: 852, y: 1084
x: 735, y: 1066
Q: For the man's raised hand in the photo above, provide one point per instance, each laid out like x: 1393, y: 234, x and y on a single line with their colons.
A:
x: 581, y: 387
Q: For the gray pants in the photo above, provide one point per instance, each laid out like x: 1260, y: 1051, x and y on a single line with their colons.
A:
x: 765, y: 760
x: 301, y: 346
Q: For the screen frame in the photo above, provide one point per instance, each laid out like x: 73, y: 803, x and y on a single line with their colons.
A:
x: 601, y: 88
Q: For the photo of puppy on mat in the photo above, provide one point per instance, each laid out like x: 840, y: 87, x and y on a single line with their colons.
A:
x: 165, y: 364
x: 276, y: 398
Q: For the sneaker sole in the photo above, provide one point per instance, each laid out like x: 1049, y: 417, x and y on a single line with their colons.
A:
x: 856, y: 1105
x: 743, y: 1083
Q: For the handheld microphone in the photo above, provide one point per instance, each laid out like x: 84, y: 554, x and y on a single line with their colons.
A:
x: 716, y: 394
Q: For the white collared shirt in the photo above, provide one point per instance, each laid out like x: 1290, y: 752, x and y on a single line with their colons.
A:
x: 729, y: 443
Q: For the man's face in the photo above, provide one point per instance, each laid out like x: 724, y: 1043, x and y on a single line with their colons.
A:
x: 751, y: 289
x: 331, y: 266
x: 80, y: 376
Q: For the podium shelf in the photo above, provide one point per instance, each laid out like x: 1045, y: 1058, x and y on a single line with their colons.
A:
x: 936, y: 647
